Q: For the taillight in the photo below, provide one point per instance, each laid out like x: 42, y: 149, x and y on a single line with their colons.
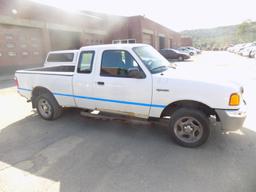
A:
x: 16, y: 82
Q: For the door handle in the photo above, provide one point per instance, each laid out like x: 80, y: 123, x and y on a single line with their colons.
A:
x: 100, y: 83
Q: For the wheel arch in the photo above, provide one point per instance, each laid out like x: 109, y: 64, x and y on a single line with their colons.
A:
x: 38, y: 91
x: 172, y: 107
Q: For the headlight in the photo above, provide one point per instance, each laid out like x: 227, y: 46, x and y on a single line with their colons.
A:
x: 234, y: 99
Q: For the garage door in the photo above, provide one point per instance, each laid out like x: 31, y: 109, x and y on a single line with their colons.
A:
x: 62, y: 40
x: 147, y: 38
x: 20, y: 47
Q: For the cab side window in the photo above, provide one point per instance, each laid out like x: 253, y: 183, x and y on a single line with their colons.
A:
x: 85, y: 62
x: 60, y: 57
x: 117, y: 63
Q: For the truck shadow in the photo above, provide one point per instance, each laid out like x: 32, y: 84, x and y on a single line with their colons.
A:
x: 80, y: 153
x: 6, y: 84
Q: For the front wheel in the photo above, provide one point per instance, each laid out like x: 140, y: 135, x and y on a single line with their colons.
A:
x: 189, y: 127
x: 47, y: 107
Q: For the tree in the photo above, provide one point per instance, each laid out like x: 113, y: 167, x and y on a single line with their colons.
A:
x: 245, y: 31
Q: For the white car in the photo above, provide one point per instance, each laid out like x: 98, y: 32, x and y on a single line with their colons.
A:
x: 198, y: 51
x: 135, y: 80
x: 253, y: 52
x: 188, y: 51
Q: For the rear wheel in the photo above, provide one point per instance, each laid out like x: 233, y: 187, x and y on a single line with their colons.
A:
x: 189, y: 127
x: 251, y: 54
x: 47, y: 107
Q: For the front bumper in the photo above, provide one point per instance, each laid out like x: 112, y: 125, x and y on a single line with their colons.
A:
x: 232, y: 120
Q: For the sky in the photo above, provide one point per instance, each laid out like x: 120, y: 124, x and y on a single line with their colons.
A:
x: 176, y: 14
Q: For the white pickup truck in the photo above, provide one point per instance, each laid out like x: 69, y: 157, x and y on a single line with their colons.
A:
x: 135, y: 80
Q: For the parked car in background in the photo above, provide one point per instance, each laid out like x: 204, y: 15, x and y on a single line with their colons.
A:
x: 244, y: 49
x: 237, y: 48
x: 253, y: 52
x: 186, y: 50
x: 246, y: 52
x: 174, y: 54
x: 198, y: 51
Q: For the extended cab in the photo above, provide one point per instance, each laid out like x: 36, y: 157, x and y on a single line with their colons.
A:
x: 135, y: 80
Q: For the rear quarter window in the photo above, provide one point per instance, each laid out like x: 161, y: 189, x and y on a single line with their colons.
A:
x: 60, y: 57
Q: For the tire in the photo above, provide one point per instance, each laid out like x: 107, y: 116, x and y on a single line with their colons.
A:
x: 180, y: 58
x: 251, y: 55
x: 191, y: 53
x: 47, y: 106
x: 189, y: 127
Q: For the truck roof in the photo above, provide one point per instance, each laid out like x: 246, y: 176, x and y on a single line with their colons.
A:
x: 65, y: 51
x: 109, y: 46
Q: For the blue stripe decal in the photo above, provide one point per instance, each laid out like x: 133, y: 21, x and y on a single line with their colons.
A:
x: 104, y: 100
x: 22, y: 89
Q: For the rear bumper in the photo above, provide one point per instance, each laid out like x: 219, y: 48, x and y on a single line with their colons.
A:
x: 232, y: 120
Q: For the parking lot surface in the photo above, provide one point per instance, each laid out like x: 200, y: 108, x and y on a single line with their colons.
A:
x: 76, y: 153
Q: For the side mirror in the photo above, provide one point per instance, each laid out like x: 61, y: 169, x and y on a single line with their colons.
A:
x: 136, y: 73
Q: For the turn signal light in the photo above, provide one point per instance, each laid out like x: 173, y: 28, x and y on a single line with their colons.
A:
x: 234, y: 99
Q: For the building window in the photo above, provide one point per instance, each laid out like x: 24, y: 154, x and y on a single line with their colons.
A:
x: 9, y: 37
x: 25, y: 53
x: 12, y: 54
x: 132, y: 41
x: 116, y: 41
x: 35, y: 45
x: 23, y: 45
x: 36, y: 53
x: 34, y: 39
x: 23, y: 38
x: 10, y: 45
x: 123, y: 41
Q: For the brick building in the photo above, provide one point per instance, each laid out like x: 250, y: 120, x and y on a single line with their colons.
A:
x: 29, y: 30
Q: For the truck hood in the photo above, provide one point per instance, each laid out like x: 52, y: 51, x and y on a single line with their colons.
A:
x: 210, y: 89
x: 200, y: 77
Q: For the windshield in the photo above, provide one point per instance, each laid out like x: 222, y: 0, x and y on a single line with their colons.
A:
x: 153, y: 60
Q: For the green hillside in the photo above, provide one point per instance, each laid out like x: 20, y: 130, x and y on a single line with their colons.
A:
x: 221, y: 37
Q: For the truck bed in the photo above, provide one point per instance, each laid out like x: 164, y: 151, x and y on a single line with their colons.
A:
x: 55, y: 70
x: 61, y: 68
x: 58, y: 80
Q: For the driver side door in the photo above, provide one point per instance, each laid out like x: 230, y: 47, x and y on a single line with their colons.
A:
x: 118, y: 91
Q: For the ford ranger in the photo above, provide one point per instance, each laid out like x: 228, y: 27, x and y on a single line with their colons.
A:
x: 135, y: 80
